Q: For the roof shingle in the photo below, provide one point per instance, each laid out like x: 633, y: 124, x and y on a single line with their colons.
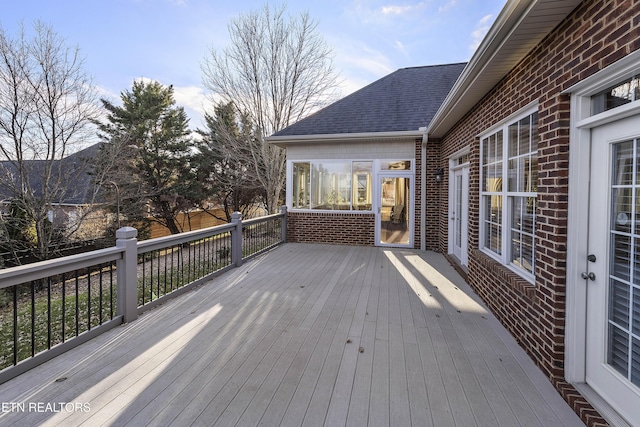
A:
x: 404, y: 100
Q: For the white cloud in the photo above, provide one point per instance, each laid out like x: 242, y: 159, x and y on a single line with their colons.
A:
x: 358, y: 64
x: 448, y: 5
x: 195, y: 102
x: 481, y: 30
x: 401, y: 47
x: 397, y: 10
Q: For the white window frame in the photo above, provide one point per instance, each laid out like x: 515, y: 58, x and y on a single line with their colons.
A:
x: 505, y: 256
x: 375, y: 173
x: 289, y: 188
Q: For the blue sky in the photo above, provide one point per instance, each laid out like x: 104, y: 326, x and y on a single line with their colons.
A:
x: 166, y: 40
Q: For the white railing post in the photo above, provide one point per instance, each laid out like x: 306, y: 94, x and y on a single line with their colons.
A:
x: 283, y: 210
x: 236, y: 239
x: 127, y: 270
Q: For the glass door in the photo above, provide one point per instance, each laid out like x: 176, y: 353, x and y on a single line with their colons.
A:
x: 394, y: 226
x: 459, y: 209
x: 612, y: 272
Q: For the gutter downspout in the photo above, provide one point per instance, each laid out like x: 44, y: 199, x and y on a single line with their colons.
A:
x: 423, y: 189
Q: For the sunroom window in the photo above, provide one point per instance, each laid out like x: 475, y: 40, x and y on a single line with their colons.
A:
x: 509, y: 193
x: 332, y: 185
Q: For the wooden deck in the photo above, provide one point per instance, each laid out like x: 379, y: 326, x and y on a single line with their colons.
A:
x: 303, y: 335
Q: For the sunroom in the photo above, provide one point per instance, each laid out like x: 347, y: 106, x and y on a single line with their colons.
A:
x: 354, y: 169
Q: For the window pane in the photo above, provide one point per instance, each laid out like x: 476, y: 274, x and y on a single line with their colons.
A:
x: 619, y: 304
x: 618, y: 356
x: 362, y: 185
x: 522, y: 232
x: 524, y: 136
x: 623, y: 163
x: 331, y: 183
x: 513, y: 140
x: 493, y: 223
x: 498, y: 154
x: 622, y: 93
x: 395, y: 165
x: 301, y: 185
x: 531, y: 184
x: 621, y: 217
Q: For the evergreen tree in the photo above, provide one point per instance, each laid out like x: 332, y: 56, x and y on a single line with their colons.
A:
x: 146, y: 155
x: 223, y: 172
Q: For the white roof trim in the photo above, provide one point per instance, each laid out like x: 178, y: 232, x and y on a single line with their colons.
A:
x: 283, y: 141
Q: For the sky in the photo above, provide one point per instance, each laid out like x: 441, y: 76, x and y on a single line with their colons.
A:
x: 167, y: 40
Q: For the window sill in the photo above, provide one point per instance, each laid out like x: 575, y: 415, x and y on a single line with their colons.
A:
x: 505, y: 274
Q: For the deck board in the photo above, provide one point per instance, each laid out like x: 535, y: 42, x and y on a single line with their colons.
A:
x: 304, y: 335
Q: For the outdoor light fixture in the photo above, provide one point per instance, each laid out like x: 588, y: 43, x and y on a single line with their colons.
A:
x: 439, y: 174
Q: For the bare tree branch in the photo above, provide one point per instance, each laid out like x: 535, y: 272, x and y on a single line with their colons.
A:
x: 47, y: 102
x: 276, y: 70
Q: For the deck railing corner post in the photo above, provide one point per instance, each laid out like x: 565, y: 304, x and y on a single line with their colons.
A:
x: 127, y: 273
x: 236, y: 239
x: 283, y: 211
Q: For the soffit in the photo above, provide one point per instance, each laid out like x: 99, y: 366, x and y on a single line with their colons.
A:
x: 521, y: 26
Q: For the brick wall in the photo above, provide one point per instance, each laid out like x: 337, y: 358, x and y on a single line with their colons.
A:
x: 418, y: 195
x: 594, y: 36
x: 436, y: 196
x: 336, y: 228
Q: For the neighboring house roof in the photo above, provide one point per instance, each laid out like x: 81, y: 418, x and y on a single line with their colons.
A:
x: 521, y: 25
x: 77, y: 188
x: 405, y: 100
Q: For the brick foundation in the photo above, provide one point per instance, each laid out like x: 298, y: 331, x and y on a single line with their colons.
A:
x: 328, y: 227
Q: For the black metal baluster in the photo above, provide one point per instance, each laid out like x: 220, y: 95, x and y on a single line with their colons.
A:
x: 111, y: 291
x: 77, y: 304
x: 189, y: 262
x: 166, y: 256
x: 151, y: 278
x: 64, y: 307
x: 88, y: 298
x: 15, y: 325
x: 158, y: 276
x: 100, y: 303
x: 49, y: 312
x: 144, y: 275
x: 173, y: 250
x: 33, y: 318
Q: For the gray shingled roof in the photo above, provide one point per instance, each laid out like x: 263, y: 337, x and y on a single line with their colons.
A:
x: 74, y: 170
x: 404, y: 100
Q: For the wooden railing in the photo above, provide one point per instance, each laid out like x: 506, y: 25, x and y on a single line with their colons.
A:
x: 49, y: 307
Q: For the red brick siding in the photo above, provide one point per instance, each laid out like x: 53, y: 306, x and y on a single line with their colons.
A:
x: 328, y: 227
x: 594, y: 36
x: 436, y: 195
x: 418, y: 195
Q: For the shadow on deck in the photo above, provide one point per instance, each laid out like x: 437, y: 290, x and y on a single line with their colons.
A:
x: 302, y: 335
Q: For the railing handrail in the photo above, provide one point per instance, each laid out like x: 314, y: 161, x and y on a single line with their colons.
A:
x: 176, y: 239
x: 39, y: 270
x: 260, y: 219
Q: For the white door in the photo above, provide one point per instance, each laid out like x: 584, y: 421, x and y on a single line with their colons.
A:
x: 613, y: 267
x: 458, y: 213
x: 394, y: 225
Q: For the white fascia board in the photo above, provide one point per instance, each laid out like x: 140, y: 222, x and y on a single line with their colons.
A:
x: 283, y: 141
